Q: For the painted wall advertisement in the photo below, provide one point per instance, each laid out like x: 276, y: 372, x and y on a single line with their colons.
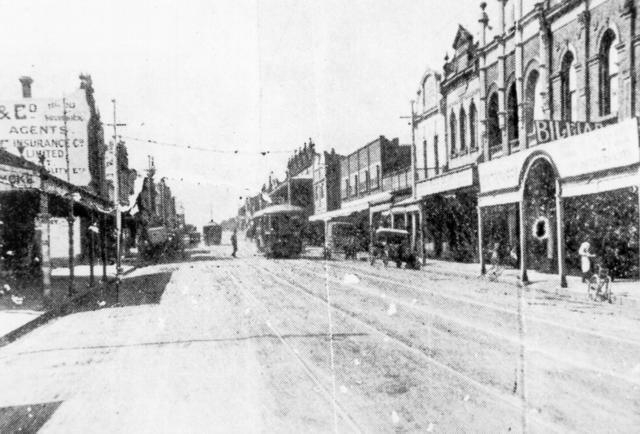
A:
x: 34, y: 126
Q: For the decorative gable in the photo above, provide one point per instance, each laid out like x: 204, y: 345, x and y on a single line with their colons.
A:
x: 463, y: 39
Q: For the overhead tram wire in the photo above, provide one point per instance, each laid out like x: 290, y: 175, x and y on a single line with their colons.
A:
x: 203, y: 149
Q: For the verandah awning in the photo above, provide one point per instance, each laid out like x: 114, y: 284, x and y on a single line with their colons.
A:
x: 447, y: 182
x: 353, y: 206
x: 614, y: 147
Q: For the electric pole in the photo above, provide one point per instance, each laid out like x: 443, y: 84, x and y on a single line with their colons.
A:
x: 412, y: 122
x: 70, y: 217
x: 116, y: 197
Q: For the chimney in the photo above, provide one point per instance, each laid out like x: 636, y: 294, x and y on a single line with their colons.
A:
x: 26, y: 86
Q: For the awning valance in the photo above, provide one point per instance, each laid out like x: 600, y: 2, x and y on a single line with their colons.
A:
x: 447, y: 182
x: 406, y: 206
x: 611, y: 147
x: 284, y: 208
x: 357, y: 205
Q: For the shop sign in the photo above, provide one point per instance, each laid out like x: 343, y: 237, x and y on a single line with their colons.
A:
x: 30, y: 127
x: 615, y: 146
x: 549, y: 131
x: 18, y: 178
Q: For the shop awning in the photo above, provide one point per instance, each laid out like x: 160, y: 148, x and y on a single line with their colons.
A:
x: 284, y: 208
x: 16, y: 173
x: 612, y: 147
x: 447, y: 182
x: 406, y: 206
x: 350, y: 207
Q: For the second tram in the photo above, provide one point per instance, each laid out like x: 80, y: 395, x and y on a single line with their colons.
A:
x: 279, y: 230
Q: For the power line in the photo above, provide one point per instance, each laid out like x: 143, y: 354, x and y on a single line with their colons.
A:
x: 203, y: 149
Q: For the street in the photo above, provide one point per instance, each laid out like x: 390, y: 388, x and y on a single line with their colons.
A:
x: 243, y: 346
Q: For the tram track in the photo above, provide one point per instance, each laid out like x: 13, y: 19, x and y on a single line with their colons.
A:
x: 369, y: 274
x: 304, y: 364
x: 599, y: 381
x: 475, y: 327
x: 408, y: 345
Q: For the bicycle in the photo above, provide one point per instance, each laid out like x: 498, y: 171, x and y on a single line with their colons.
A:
x: 599, y: 285
x: 494, y: 272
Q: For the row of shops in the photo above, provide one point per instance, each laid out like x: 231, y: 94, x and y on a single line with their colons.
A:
x: 525, y: 143
x: 65, y: 194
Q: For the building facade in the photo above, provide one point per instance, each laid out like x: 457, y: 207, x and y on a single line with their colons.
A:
x: 326, y: 181
x: 555, y: 141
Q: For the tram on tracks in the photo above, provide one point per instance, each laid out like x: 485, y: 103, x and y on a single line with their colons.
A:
x: 212, y: 234
x: 279, y: 230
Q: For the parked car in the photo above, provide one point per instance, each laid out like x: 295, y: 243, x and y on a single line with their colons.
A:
x: 342, y: 238
x: 394, y: 245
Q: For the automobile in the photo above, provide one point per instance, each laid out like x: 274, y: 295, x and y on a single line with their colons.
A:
x: 393, y: 245
x: 342, y: 238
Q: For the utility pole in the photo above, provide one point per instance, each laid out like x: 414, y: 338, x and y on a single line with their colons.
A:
x: 70, y: 217
x: 116, y: 197
x: 412, y: 123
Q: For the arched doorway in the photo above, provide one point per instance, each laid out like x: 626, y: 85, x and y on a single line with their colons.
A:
x: 540, y: 216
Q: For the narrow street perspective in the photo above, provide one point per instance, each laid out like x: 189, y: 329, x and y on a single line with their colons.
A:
x: 303, y: 216
x: 309, y: 345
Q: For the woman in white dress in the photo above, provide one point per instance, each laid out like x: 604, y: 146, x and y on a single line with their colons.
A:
x: 585, y: 260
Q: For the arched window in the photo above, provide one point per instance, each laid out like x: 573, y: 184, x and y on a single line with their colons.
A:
x: 463, y: 131
x: 568, y: 88
x: 534, y: 91
x: 493, y: 123
x: 608, y: 74
x: 512, y: 113
x: 452, y: 133
x: 473, y: 126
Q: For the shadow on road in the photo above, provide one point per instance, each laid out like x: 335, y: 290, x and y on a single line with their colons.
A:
x: 26, y: 418
x: 133, y: 291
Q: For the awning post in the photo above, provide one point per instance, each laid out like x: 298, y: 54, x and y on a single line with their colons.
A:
x: 562, y: 263
x: 523, y: 242
x: 483, y: 267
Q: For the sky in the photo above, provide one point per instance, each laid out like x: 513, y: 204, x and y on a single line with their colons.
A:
x: 234, y: 75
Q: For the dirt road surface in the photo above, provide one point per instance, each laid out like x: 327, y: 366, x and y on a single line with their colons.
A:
x: 305, y: 345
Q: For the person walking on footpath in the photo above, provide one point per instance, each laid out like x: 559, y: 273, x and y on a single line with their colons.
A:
x: 234, y: 242
x: 585, y: 260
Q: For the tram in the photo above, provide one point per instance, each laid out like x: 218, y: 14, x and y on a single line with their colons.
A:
x: 279, y: 230
x: 212, y: 234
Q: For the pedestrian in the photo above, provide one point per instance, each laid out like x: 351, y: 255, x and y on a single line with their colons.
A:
x: 495, y: 255
x: 234, y: 242
x: 495, y: 270
x: 585, y: 260
x: 513, y: 255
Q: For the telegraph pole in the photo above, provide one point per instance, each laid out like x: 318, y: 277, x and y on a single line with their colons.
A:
x: 116, y: 197
x: 412, y: 122
x: 70, y: 217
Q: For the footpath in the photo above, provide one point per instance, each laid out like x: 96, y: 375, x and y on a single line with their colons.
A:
x: 625, y: 291
x: 20, y: 308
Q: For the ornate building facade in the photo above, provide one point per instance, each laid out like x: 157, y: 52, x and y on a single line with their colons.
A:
x: 546, y: 112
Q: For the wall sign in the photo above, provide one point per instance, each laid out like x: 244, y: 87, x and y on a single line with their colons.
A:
x: 17, y: 177
x: 549, y: 131
x: 29, y: 127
